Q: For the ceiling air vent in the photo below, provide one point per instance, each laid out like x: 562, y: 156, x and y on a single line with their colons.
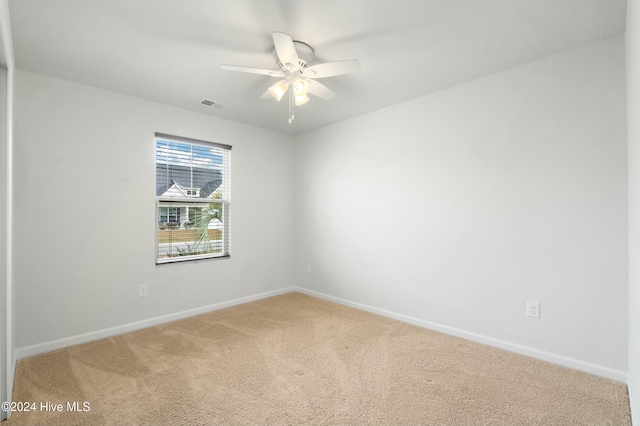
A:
x: 212, y: 104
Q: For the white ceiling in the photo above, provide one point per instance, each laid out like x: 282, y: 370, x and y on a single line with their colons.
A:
x: 170, y: 51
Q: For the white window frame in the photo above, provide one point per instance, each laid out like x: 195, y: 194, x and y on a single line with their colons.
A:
x: 192, y: 199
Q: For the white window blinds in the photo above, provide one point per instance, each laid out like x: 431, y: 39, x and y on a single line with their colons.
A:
x: 192, y: 199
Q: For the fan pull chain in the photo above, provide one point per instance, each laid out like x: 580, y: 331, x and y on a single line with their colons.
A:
x: 291, y: 116
x: 290, y: 119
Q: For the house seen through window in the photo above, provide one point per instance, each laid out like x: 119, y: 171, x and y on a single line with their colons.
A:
x: 192, y: 199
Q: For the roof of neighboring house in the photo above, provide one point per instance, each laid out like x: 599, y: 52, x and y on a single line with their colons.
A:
x: 206, y: 180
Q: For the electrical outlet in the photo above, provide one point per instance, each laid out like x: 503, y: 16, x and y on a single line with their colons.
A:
x: 308, y: 268
x: 143, y: 290
x: 533, y: 309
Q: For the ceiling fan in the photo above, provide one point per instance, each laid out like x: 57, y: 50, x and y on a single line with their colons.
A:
x: 292, y: 60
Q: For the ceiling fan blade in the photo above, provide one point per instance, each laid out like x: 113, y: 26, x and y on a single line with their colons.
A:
x: 285, y: 49
x: 320, y: 90
x: 329, y: 69
x: 271, y: 73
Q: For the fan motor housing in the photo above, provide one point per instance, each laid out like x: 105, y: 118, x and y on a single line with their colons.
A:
x: 304, y: 51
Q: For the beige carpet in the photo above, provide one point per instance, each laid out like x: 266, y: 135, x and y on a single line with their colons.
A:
x: 298, y: 360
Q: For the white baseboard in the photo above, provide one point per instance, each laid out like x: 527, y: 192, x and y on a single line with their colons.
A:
x: 52, y: 345
x: 634, y: 402
x: 576, y: 364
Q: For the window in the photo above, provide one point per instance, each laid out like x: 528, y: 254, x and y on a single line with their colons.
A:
x: 169, y: 215
x: 192, y: 199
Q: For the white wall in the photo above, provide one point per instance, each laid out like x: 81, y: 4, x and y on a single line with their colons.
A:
x: 85, y: 216
x: 633, y: 135
x: 458, y: 207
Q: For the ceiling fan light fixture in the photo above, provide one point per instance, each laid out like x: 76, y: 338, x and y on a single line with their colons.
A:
x: 278, y: 90
x: 300, y: 87
x: 293, y: 62
x: 301, y: 99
